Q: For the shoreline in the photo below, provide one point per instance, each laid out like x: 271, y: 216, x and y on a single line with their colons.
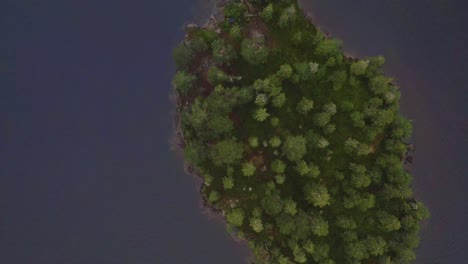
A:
x: 179, y: 140
x: 177, y: 144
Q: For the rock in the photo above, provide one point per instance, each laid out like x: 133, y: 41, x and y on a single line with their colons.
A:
x: 409, y: 159
x: 189, y: 26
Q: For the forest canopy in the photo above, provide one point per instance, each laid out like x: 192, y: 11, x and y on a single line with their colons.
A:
x: 300, y: 147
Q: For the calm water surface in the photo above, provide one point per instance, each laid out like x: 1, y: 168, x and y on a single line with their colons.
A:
x: 86, y: 175
x: 425, y: 43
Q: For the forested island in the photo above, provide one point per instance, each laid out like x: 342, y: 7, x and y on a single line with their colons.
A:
x: 298, y: 146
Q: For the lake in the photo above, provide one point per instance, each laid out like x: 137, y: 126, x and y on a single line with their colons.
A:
x: 86, y: 171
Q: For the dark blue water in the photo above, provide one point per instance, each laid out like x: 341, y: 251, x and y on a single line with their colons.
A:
x: 86, y: 172
x: 425, y: 43
x: 86, y: 175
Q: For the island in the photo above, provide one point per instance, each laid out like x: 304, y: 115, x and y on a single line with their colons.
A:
x: 300, y: 148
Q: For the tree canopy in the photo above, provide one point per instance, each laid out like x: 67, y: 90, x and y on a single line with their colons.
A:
x: 300, y: 148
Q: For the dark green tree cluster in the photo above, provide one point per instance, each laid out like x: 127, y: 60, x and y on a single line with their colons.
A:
x: 299, y: 146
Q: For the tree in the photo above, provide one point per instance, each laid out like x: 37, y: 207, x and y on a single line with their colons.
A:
x: 236, y: 32
x: 228, y: 183
x: 388, y: 222
x: 297, y: 38
x: 358, y: 119
x: 283, y: 260
x: 248, y: 169
x: 257, y: 212
x: 270, y: 85
x: 261, y: 100
x: 322, y: 143
x: 243, y: 95
x: 321, y: 251
x: 285, y: 223
x: 309, y: 246
x: 384, y: 118
x: 196, y: 115
x: 208, y: 179
x: 194, y: 153
x: 364, y: 149
x: 360, y: 180
x: 328, y: 48
x: 267, y: 13
x: 328, y: 129
x: 391, y: 95
x: 183, y: 82
x: 359, y: 68
x: 222, y: 53
x: 356, y: 250
x: 256, y: 224
x: 253, y: 142
x: 329, y: 108
x: 279, y: 100
x: 290, y: 207
x: 303, y: 71
x: 261, y: 114
x: 236, y: 217
x: 405, y: 255
x: 338, y: 79
x: 272, y: 204
x: 235, y: 11
x: 274, y: 121
x: 280, y: 178
x: 295, y: 147
x: 421, y: 212
x: 253, y: 51
x: 214, y: 196
x: 359, y: 176
x: 299, y: 255
x: 216, y: 76
x: 220, y: 124
x: 198, y: 45
x: 394, y: 191
x: 353, y: 146
x: 346, y: 222
x: 376, y: 246
x: 379, y: 84
x: 372, y: 106
x: 305, y: 105
x: 312, y: 139
x: 285, y: 72
x: 366, y: 202
x: 317, y: 194
x: 375, y: 63
x: 227, y: 152
x: 314, y: 67
x: 347, y: 106
x: 259, y: 85
x: 275, y: 142
x: 287, y: 17
x: 302, y: 168
x: 314, y: 171
x: 319, y: 226
x: 321, y: 119
x: 182, y: 56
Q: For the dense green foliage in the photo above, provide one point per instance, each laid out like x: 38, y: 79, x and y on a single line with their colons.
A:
x: 299, y: 146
